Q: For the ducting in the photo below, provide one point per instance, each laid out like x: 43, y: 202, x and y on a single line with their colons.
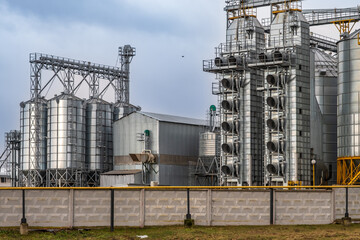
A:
x: 274, y: 169
x: 274, y: 124
x: 229, y: 170
x: 274, y: 146
x: 280, y: 56
x: 231, y: 126
x: 264, y: 57
x: 274, y: 102
x: 235, y: 60
x: 220, y: 61
x: 274, y: 80
x: 230, y: 105
x: 230, y: 84
x: 230, y: 148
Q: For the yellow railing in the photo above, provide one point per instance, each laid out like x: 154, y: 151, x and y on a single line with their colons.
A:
x: 348, y: 170
x: 179, y: 187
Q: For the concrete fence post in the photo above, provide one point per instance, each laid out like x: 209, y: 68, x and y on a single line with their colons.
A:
x: 112, y: 210
x: 142, y: 208
x: 71, y: 208
x: 271, y: 206
x: 209, y: 207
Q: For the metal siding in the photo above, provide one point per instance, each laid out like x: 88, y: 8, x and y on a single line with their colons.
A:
x: 179, y: 139
x: 126, y: 130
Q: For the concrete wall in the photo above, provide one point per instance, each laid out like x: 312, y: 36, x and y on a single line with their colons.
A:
x: 149, y: 207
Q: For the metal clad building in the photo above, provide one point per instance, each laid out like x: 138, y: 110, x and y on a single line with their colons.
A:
x: 174, y: 141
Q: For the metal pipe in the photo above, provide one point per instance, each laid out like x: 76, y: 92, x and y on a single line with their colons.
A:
x: 188, y: 215
x: 347, y: 202
x: 112, y: 211
x: 271, y: 206
x: 23, y: 219
x: 178, y: 187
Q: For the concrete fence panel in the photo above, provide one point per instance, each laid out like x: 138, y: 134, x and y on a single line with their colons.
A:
x: 74, y: 207
x: 303, y: 207
x: 10, y: 208
x: 239, y: 207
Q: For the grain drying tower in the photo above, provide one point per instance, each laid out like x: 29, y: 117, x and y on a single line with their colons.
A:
x: 277, y: 97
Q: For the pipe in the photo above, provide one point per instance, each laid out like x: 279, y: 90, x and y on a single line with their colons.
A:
x: 230, y: 148
x: 264, y: 57
x: 230, y: 84
x: 274, y: 102
x: 274, y: 124
x: 280, y: 56
x: 234, y: 60
x: 273, y: 168
x: 230, y: 105
x: 231, y: 126
x: 347, y: 202
x: 273, y: 80
x: 274, y: 146
x: 228, y: 170
x: 219, y: 61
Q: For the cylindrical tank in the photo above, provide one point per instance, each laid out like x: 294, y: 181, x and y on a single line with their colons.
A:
x: 323, y: 128
x: 209, y: 145
x: 33, y: 155
x: 349, y: 96
x: 66, y: 133
x: 98, y: 135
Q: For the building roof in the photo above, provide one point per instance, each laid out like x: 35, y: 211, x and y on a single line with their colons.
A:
x: 172, y: 119
x: 122, y: 172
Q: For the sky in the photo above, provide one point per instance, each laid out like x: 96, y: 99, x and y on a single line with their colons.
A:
x: 162, y: 31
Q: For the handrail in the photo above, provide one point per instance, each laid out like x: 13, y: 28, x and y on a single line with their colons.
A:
x: 180, y: 187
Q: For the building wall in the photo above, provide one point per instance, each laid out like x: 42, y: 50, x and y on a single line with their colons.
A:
x: 175, y: 145
x: 149, y: 207
x: 125, y: 138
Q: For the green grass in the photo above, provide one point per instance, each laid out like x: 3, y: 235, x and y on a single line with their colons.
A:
x: 179, y: 232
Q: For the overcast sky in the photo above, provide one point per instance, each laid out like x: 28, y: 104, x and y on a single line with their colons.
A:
x: 162, y: 31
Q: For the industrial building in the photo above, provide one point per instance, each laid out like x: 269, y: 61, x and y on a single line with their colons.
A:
x: 163, y: 148
x: 277, y: 85
x: 66, y: 141
x: 287, y: 112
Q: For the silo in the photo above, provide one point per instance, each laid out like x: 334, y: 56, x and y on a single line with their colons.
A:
x: 33, y: 141
x: 348, y: 117
x: 324, y: 88
x: 98, y: 135
x: 207, y: 170
x: 66, y: 141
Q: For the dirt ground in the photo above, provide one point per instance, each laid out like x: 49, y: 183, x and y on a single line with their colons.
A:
x: 333, y: 231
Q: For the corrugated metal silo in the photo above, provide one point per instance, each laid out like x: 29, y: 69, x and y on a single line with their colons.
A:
x: 29, y: 159
x: 348, y: 118
x: 66, y: 140
x: 325, y: 91
x: 98, y: 135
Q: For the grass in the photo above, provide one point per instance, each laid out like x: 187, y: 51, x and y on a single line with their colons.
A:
x: 179, y: 232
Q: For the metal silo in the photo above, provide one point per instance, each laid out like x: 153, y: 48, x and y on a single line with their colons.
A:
x: 348, y: 109
x: 33, y: 142
x: 66, y: 141
x: 324, y: 101
x: 207, y: 171
x: 98, y: 135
